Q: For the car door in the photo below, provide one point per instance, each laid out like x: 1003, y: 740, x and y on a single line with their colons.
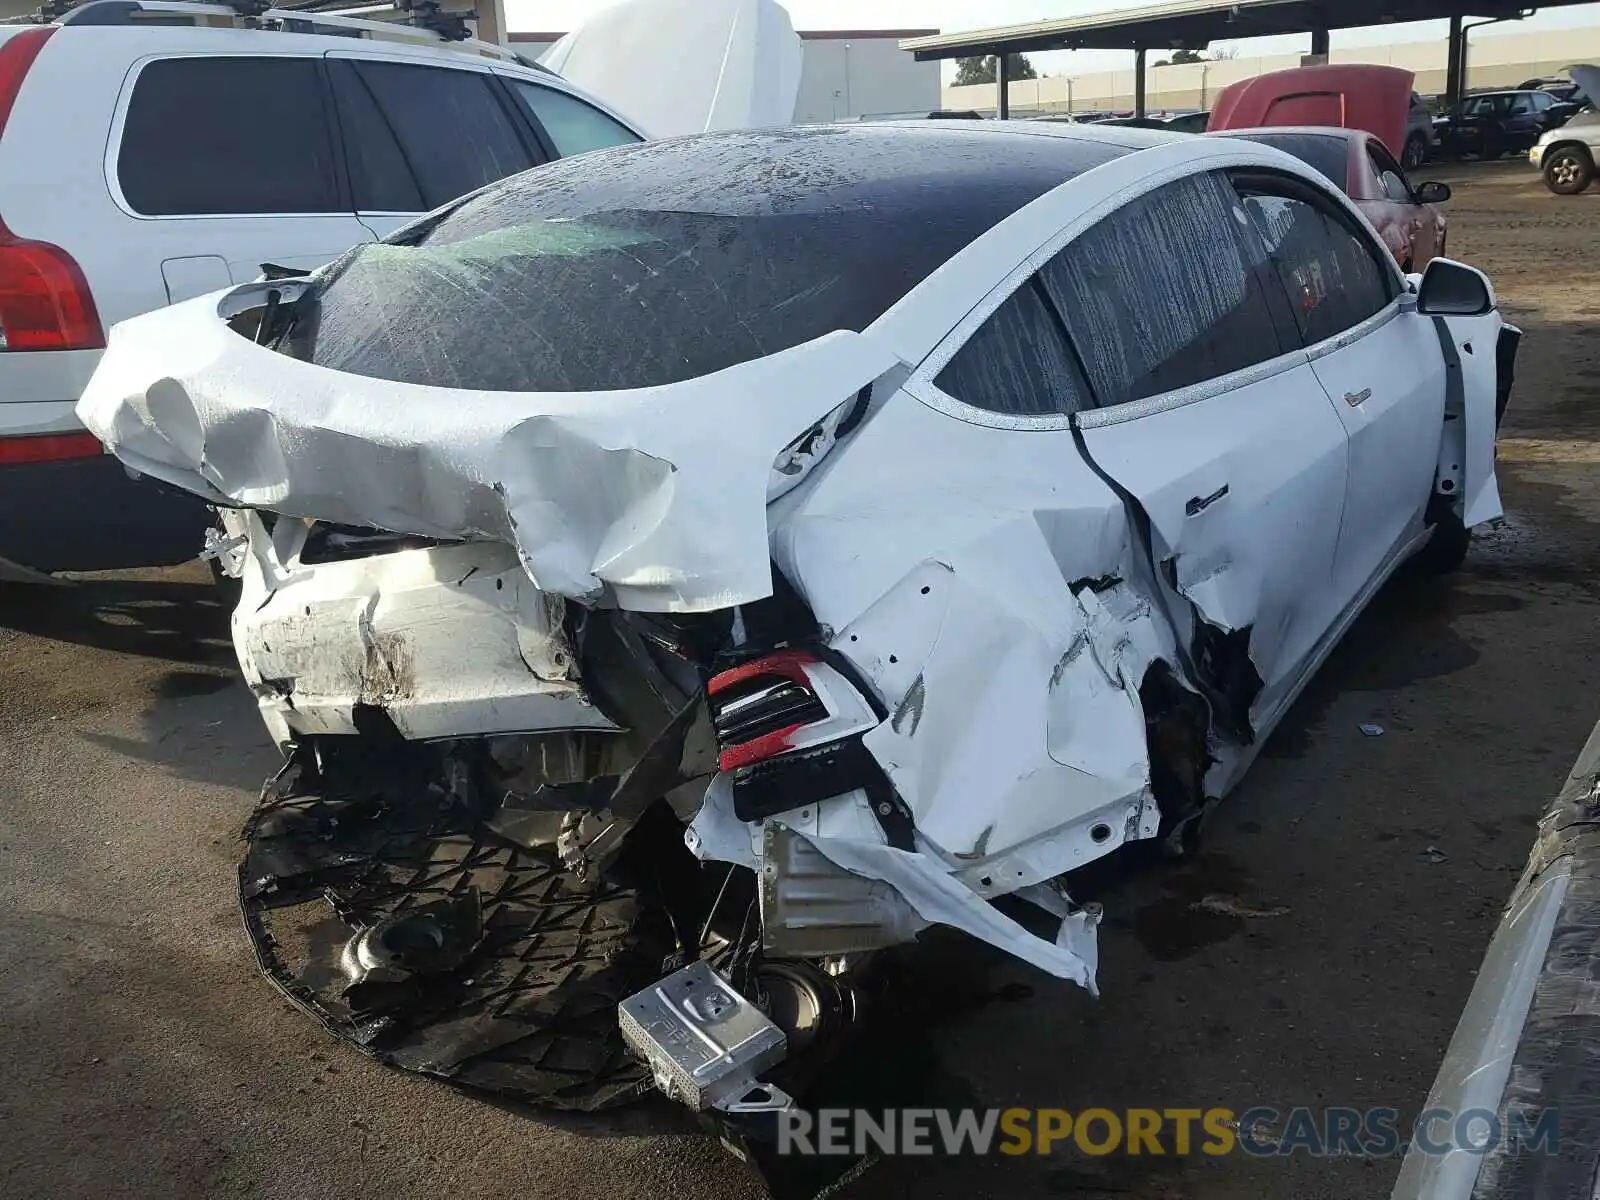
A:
x: 1416, y: 233
x: 1210, y: 418
x: 216, y: 190
x: 1377, y: 360
x: 1522, y: 124
x: 418, y: 135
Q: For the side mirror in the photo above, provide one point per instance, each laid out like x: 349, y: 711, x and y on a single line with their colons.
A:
x: 1452, y: 289
x: 1433, y: 193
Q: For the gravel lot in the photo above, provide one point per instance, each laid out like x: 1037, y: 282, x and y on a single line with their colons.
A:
x: 141, y: 1054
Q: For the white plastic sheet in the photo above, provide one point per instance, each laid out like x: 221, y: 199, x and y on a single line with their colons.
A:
x: 596, y: 490
x: 687, y: 66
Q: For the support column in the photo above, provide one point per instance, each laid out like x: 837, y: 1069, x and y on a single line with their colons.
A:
x: 1002, y: 83
x: 1454, y: 77
x: 1319, y: 45
x: 490, y: 18
x: 1139, y: 107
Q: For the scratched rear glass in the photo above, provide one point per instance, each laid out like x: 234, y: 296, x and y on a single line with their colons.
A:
x: 652, y: 264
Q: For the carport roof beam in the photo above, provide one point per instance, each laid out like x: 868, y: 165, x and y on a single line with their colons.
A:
x: 1193, y: 24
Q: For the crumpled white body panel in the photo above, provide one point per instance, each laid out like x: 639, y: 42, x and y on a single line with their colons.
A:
x: 687, y: 66
x: 595, y: 490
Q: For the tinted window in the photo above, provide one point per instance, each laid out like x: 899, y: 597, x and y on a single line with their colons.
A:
x: 1522, y: 106
x: 1018, y: 362
x: 573, y: 126
x: 1390, y: 175
x: 1542, y: 100
x: 380, y: 178
x: 1486, y: 106
x: 657, y: 262
x: 1330, y: 155
x: 198, y: 138
x: 1332, y: 274
x: 1160, y: 296
x: 451, y: 126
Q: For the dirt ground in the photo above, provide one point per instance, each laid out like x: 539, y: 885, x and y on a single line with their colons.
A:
x: 141, y: 1054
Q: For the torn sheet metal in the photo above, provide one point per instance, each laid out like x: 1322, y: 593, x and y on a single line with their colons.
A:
x: 843, y: 832
x: 596, y: 490
x: 687, y: 66
x: 452, y: 641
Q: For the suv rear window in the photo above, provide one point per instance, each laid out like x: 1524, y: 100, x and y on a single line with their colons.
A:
x: 199, y: 139
x: 650, y: 264
x: 450, y: 125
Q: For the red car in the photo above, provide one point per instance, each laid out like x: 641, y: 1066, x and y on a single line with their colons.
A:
x: 1406, y: 216
x: 1346, y: 121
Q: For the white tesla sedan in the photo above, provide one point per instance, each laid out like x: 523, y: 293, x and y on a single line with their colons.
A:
x: 889, y: 518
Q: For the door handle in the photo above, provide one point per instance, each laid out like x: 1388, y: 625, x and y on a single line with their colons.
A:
x: 1198, y: 504
x: 1357, y: 399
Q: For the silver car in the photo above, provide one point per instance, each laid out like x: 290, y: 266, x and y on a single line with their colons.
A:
x: 1566, y: 156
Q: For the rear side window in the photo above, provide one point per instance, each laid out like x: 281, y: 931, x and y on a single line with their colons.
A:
x: 573, y: 126
x: 1156, y: 300
x: 1018, y: 362
x: 452, y: 130
x: 1390, y: 175
x: 380, y: 177
x: 1333, y: 275
x: 228, y: 135
x: 1330, y: 155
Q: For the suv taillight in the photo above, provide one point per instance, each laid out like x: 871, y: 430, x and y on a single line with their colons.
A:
x: 45, y: 303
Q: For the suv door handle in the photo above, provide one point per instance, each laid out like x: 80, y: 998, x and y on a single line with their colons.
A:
x: 1198, y: 504
x: 1357, y: 399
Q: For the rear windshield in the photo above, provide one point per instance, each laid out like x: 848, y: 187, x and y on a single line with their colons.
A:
x: 1330, y: 155
x: 651, y: 264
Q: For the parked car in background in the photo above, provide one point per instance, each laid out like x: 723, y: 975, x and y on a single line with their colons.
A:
x: 1175, y: 121
x: 151, y: 152
x: 1492, y: 124
x: 1566, y: 157
x: 1194, y: 122
x: 1376, y: 99
x: 1420, y: 142
x: 1406, y: 217
x: 1559, y: 87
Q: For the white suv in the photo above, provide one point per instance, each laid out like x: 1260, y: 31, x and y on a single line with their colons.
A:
x: 154, y: 151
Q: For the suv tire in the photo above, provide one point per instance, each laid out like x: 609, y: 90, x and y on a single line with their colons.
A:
x: 1416, y: 152
x: 1568, y: 170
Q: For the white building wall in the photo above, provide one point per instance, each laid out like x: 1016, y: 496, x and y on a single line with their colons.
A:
x: 1497, y: 61
x: 843, y: 74
x: 862, y: 75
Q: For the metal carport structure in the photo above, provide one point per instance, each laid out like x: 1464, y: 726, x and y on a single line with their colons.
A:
x: 1195, y: 24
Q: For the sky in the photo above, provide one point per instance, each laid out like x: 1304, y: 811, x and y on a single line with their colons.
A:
x: 951, y: 16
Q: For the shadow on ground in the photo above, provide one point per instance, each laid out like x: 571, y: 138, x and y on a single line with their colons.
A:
x: 176, y: 620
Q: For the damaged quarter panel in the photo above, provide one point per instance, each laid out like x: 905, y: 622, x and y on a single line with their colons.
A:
x: 449, y: 641
x: 956, y: 603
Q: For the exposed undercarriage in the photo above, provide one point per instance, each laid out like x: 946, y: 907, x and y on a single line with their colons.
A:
x: 477, y: 908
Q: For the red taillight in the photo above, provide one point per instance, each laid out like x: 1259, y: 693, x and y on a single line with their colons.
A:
x: 48, y: 447
x: 17, y: 53
x: 45, y: 303
x: 788, y: 663
x: 759, y: 707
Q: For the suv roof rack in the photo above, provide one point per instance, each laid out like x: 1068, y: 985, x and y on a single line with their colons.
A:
x: 414, y: 21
